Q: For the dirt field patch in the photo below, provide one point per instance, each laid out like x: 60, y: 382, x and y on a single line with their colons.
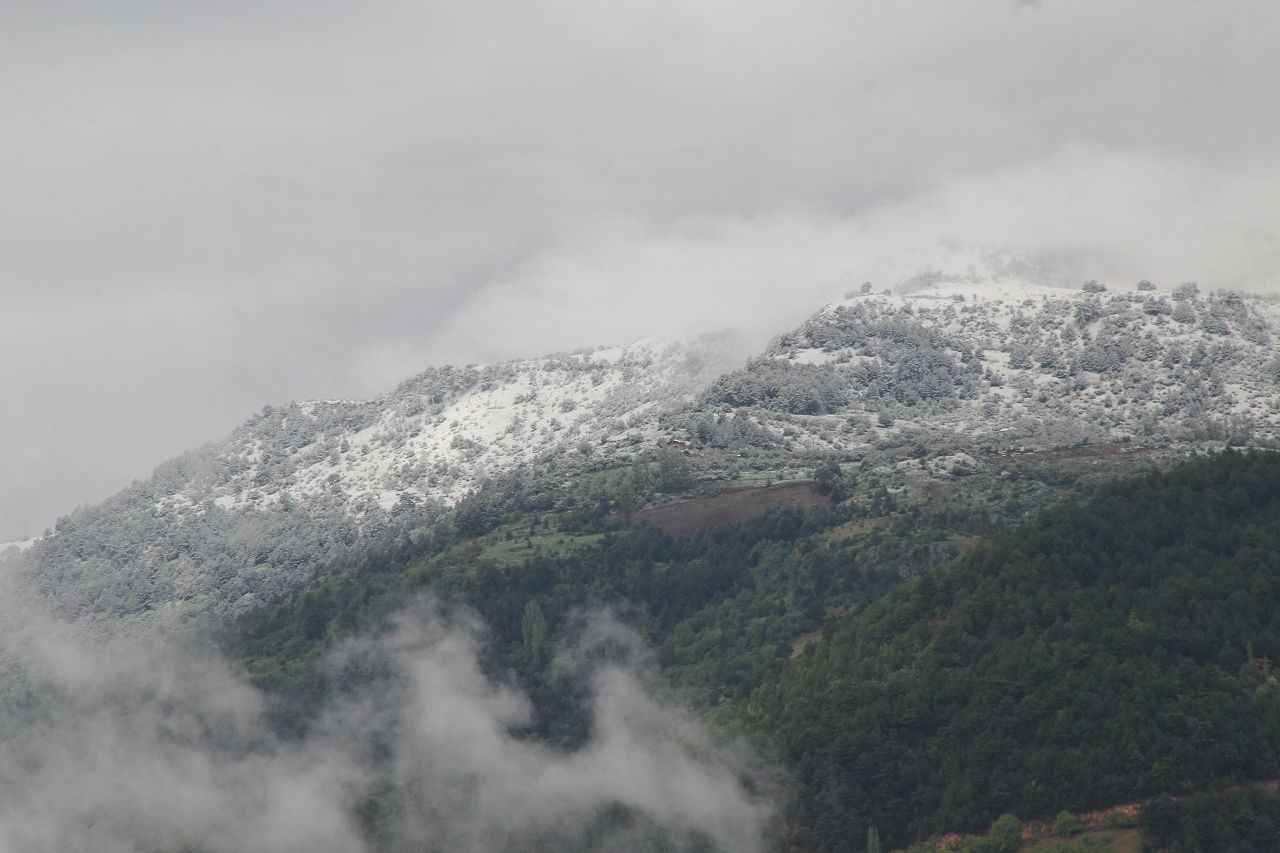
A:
x: 731, y: 504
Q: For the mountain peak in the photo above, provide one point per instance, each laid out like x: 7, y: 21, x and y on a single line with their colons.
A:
x: 970, y: 358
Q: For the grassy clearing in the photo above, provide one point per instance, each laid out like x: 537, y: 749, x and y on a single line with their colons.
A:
x: 508, y: 552
x: 1113, y: 840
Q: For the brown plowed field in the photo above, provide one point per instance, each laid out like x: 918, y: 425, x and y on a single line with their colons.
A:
x: 731, y: 504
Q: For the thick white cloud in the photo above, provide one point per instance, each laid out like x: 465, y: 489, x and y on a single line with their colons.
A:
x: 209, y: 207
x: 124, y: 741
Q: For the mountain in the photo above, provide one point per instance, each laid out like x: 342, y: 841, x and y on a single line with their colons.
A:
x: 1101, y: 653
x: 437, y: 436
x: 962, y: 361
x: 887, y: 551
x: 912, y: 672
x: 1006, y: 361
x: 232, y: 524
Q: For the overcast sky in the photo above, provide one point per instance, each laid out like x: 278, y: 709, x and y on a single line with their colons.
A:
x: 211, y: 206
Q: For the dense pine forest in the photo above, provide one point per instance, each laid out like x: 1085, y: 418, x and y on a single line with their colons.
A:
x: 1104, y: 652
x: 914, y: 672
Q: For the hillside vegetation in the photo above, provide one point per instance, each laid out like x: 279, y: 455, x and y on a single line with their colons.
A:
x: 1103, y: 652
x: 881, y: 551
x: 964, y: 366
x: 1112, y: 648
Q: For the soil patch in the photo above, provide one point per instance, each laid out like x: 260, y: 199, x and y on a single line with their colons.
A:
x: 728, y: 505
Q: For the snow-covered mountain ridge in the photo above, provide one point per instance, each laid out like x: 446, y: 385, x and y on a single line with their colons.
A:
x: 1047, y: 365
x: 438, y: 435
x: 957, y: 364
x: 229, y: 525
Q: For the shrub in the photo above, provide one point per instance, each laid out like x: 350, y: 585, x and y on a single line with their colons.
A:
x: 1066, y: 825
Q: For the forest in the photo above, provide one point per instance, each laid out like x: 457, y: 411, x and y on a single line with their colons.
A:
x: 1105, y: 652
x: 1114, y: 648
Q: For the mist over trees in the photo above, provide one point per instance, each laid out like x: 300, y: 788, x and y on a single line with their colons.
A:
x: 118, y: 741
x: 532, y: 493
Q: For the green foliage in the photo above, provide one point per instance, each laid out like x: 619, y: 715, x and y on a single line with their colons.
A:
x: 721, y: 610
x: 1243, y: 819
x: 828, y: 476
x: 533, y: 629
x: 1006, y: 833
x: 672, y: 472
x: 1074, y: 662
x: 1066, y: 824
x: 1101, y: 653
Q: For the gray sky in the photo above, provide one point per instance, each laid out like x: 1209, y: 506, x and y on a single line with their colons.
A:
x: 207, y: 207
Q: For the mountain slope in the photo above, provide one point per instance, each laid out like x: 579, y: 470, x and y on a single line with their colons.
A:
x: 441, y: 433
x: 233, y: 524
x: 1105, y: 652
x: 962, y: 365
x: 1012, y: 362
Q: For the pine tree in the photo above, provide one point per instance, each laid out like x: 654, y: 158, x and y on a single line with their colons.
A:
x: 533, y: 626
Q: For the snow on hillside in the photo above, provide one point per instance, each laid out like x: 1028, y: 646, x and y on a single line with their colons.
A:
x: 443, y: 432
x: 966, y: 341
x: 225, y: 527
x: 967, y: 357
x: 999, y: 359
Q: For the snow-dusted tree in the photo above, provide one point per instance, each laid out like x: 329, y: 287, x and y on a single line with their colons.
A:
x: 1088, y: 310
x: 1214, y: 323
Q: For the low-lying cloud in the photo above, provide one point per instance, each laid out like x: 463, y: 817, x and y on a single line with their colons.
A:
x: 1084, y: 212
x: 116, y: 742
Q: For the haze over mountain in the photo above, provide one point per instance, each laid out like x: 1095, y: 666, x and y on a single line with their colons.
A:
x: 306, y: 540
x: 661, y: 427
x: 210, y: 208
x: 977, y: 352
